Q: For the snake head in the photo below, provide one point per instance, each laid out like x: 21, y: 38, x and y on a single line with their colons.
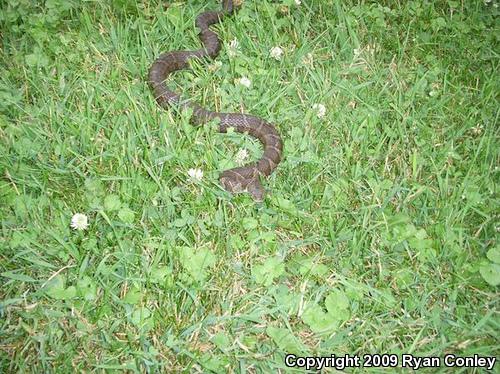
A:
x: 235, y: 183
x: 256, y: 190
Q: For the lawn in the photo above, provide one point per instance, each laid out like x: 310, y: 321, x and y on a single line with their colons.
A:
x: 379, y: 233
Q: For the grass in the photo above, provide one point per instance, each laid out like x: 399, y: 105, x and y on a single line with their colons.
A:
x: 379, y: 234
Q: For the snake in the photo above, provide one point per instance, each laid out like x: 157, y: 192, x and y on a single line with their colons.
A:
x: 243, y: 179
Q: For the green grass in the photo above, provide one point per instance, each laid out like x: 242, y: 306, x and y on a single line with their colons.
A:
x: 379, y: 234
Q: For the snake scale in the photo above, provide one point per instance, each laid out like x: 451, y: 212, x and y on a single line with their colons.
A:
x: 240, y: 179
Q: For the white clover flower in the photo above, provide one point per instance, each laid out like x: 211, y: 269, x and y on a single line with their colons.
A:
x: 79, y: 221
x: 244, y: 81
x: 241, y: 156
x: 321, y: 110
x: 276, y: 53
x: 297, y: 2
x: 195, y: 175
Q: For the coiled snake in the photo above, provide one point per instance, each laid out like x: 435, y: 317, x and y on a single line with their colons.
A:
x: 241, y: 179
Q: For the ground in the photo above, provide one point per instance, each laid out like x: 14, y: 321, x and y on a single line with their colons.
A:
x: 379, y: 230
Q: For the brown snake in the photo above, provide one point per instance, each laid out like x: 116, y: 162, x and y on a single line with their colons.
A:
x: 241, y: 179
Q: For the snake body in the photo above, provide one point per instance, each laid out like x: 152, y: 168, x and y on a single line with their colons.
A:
x: 240, y: 179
